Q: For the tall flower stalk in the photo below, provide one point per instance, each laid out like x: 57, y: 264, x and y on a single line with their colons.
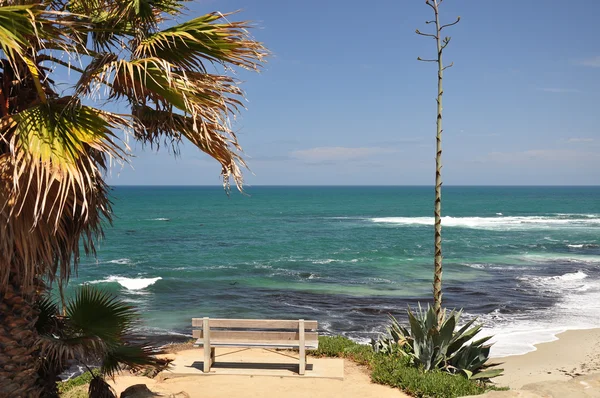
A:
x: 441, y: 44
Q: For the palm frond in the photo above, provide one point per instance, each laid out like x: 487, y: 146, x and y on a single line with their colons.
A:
x: 190, y: 44
x: 211, y: 138
x: 54, y: 151
x: 133, y: 357
x: 97, y: 313
x: 17, y: 27
x: 32, y: 26
x: 99, y: 388
x: 205, y: 100
x: 53, y: 145
x: 52, y: 192
x: 47, y: 315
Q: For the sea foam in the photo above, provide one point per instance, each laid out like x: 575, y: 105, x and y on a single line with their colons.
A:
x: 500, y: 223
x: 129, y: 283
x: 578, y: 307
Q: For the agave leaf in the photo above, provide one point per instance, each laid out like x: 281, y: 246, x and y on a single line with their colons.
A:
x: 460, y: 340
x: 447, y: 330
x: 417, y: 333
x: 467, y: 373
x: 431, y: 321
x: 487, y: 374
x: 464, y: 328
x: 482, y: 340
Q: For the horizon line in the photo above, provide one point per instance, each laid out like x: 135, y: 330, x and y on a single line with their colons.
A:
x: 354, y: 185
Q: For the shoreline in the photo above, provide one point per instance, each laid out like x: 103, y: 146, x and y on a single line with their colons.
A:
x: 527, y: 339
x: 573, y: 353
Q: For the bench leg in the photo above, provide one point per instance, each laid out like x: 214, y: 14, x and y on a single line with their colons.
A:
x: 302, y: 360
x: 207, y: 348
x: 207, y: 358
x: 302, y: 366
x: 212, y: 356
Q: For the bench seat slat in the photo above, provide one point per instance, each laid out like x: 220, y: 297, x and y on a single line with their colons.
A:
x: 270, y: 344
x: 254, y: 324
x: 251, y: 336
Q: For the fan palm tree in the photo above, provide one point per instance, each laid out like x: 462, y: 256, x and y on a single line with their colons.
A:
x: 57, y: 141
x: 96, y: 328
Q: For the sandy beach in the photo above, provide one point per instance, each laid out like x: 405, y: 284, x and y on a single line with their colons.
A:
x: 567, y: 367
x: 340, y: 378
x: 575, y: 353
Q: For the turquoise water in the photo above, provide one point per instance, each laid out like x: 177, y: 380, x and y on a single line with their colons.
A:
x: 523, y: 259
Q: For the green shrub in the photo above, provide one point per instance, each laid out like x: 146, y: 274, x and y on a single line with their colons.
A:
x: 81, y: 380
x: 397, y: 370
x: 333, y: 346
x: 342, y: 347
x: 439, y: 344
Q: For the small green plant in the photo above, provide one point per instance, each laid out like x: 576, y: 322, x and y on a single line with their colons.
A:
x: 433, y: 344
x: 397, y: 370
x: 81, y: 380
x: 342, y: 347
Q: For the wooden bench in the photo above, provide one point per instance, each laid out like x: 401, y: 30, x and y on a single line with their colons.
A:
x: 260, y: 333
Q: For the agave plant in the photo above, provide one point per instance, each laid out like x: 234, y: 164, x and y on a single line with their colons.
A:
x: 394, y: 342
x: 96, y: 329
x: 434, y: 345
x: 65, y: 67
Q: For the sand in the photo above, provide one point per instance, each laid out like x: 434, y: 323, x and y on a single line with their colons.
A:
x: 575, y: 353
x: 567, y: 367
x: 326, y: 380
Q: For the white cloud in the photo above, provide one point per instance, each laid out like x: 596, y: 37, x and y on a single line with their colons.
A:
x: 339, y: 153
x: 559, y: 90
x: 577, y: 140
x: 539, y: 156
x: 593, y: 62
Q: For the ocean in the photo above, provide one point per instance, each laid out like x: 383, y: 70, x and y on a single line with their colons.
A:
x: 524, y: 260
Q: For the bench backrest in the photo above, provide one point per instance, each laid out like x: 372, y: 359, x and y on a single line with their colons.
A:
x: 257, y: 331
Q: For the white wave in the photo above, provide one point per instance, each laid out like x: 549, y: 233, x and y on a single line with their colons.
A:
x: 501, y: 223
x: 574, y: 276
x: 497, y: 267
x: 587, y: 215
x: 326, y: 261
x: 159, y: 219
x: 567, y: 283
x: 476, y: 266
x: 380, y: 280
x: 499, y: 214
x: 518, y: 339
x: 121, y: 261
x: 306, y: 307
x: 129, y: 283
x: 578, y: 307
x: 584, y: 245
x: 566, y: 258
x: 211, y: 267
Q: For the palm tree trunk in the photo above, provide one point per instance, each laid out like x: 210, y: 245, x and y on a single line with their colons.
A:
x: 19, y: 361
x: 437, y: 273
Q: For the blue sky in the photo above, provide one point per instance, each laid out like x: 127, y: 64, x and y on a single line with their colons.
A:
x: 343, y: 99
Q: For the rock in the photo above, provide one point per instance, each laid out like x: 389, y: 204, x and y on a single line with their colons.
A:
x: 137, y: 391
